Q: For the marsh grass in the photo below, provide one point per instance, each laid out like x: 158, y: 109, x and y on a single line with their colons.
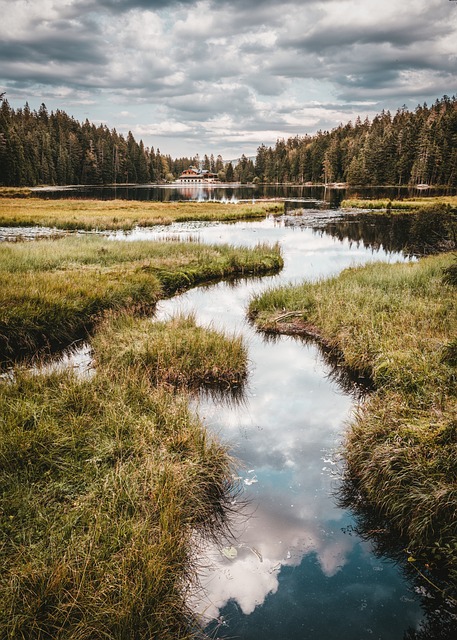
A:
x: 104, y: 484
x: 397, y: 325
x: 54, y: 291
x: 123, y: 214
x: 407, y: 204
x: 177, y: 352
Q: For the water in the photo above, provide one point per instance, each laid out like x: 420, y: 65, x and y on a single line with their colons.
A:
x: 324, y: 197
x: 295, y: 567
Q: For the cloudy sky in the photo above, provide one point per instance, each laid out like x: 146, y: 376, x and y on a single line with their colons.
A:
x: 219, y: 76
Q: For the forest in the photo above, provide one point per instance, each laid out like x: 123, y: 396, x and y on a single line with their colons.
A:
x: 410, y: 147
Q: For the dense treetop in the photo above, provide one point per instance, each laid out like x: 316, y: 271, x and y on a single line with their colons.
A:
x: 407, y: 148
x: 37, y: 147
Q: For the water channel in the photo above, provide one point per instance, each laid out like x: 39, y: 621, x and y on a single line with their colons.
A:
x: 295, y: 568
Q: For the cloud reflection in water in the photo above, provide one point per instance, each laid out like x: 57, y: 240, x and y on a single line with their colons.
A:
x: 286, y: 431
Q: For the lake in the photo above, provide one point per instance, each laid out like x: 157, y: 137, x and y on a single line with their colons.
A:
x: 321, y: 196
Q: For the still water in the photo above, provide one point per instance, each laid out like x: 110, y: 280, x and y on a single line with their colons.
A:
x: 295, y: 568
x: 321, y: 196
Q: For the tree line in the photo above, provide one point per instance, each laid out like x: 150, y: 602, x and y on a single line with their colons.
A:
x: 411, y: 147
x: 38, y: 147
x: 407, y: 148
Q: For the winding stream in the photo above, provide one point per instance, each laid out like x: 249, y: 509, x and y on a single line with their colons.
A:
x: 295, y: 569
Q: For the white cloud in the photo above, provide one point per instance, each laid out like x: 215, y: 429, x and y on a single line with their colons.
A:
x: 194, y: 63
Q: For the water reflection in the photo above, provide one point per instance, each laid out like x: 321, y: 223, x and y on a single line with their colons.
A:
x: 413, y: 234
x: 328, y: 197
x: 441, y: 611
x: 292, y: 558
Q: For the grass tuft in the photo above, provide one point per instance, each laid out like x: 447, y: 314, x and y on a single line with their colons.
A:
x: 177, y: 352
x: 104, y: 485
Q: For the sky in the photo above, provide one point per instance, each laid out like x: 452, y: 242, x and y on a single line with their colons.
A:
x: 223, y: 77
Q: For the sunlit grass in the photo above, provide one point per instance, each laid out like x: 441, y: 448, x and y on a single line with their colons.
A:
x: 406, y: 204
x: 396, y: 324
x: 123, y: 214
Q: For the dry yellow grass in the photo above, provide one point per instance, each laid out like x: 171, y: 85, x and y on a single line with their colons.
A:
x: 122, y: 214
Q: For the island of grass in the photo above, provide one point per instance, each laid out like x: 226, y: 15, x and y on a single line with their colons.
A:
x: 406, y: 204
x: 397, y: 325
x: 123, y: 214
x: 109, y: 481
x: 177, y: 352
x: 53, y: 292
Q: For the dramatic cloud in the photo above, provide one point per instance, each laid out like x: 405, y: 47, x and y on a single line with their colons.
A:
x: 212, y: 76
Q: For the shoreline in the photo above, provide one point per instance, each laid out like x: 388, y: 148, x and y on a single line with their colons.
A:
x: 382, y: 325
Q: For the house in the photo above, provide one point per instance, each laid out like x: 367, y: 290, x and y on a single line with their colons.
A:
x: 192, y: 175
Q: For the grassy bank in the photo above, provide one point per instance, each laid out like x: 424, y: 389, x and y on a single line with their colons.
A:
x: 52, y: 292
x: 104, y: 484
x: 396, y: 324
x: 177, y: 352
x: 122, y: 214
x: 107, y: 482
x: 407, y: 204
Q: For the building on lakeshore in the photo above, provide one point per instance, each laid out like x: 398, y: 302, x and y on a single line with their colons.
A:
x: 192, y: 175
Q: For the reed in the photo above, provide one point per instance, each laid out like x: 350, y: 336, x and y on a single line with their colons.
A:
x: 123, y: 214
x: 54, y: 291
x: 396, y: 324
x: 105, y: 485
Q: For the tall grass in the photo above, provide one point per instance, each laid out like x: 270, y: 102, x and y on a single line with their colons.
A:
x: 396, y: 324
x: 177, y: 352
x: 123, y: 214
x: 54, y: 291
x: 406, y: 204
x: 104, y: 484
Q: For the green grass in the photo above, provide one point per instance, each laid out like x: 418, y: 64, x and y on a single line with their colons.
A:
x: 177, y: 352
x: 123, y: 214
x: 105, y: 484
x: 54, y: 291
x: 407, y: 204
x: 108, y: 482
x: 396, y: 324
